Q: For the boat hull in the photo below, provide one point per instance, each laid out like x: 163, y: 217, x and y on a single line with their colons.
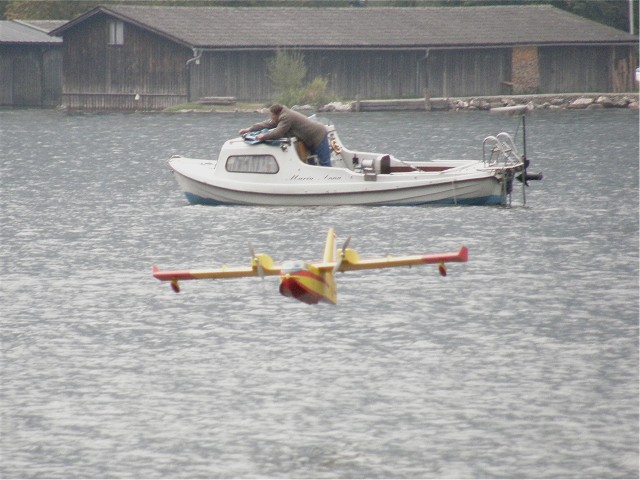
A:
x: 482, y: 188
x: 279, y: 175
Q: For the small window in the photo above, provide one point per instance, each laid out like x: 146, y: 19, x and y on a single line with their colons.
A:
x: 116, y: 32
x: 252, y: 164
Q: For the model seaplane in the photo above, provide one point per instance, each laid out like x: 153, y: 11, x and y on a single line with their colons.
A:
x: 311, y: 282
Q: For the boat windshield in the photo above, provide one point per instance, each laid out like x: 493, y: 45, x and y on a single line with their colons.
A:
x: 252, y: 164
x: 322, y: 120
x: 292, y: 266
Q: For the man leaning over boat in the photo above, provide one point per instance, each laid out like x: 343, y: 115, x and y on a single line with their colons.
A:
x: 288, y: 123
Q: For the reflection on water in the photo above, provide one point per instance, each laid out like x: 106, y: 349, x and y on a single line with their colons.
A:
x: 521, y: 363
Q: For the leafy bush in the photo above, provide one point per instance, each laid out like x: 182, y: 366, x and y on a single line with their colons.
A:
x: 316, y: 93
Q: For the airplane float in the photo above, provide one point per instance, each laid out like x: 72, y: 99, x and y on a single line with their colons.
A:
x: 311, y: 282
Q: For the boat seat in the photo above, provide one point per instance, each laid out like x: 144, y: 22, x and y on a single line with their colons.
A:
x: 303, y: 151
x: 385, y: 164
x: 304, y: 154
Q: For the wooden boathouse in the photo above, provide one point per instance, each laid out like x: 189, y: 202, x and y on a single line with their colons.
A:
x: 30, y: 64
x: 151, y: 57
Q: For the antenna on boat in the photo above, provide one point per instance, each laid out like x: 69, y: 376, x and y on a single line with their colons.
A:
x: 525, y: 161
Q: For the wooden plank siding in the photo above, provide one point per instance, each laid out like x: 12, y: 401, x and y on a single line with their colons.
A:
x: 231, y: 74
x: 372, y: 74
x: 369, y: 74
x: 459, y: 73
x: 101, y: 76
x: 156, y: 70
x: 122, y: 101
x: 155, y: 66
x: 586, y: 69
x: 244, y: 75
x: 30, y: 75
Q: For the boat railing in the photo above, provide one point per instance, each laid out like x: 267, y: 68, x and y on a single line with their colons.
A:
x: 500, y: 151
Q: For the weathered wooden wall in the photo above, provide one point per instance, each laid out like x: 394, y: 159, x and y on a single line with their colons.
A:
x: 369, y: 74
x: 574, y: 69
x: 150, y: 72
x: 30, y: 75
x: 231, y: 74
x: 459, y: 73
x: 587, y: 69
x: 244, y: 75
x: 100, y: 76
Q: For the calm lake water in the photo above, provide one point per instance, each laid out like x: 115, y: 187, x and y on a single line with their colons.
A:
x: 521, y: 363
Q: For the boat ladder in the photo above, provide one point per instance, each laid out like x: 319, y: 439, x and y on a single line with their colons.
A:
x: 500, y: 152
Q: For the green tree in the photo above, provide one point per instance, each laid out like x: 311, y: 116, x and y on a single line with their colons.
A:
x: 287, y: 71
x: 614, y: 13
x: 46, y: 10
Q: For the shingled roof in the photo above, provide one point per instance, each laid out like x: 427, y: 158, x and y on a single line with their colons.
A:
x: 364, y: 28
x: 44, y: 25
x: 17, y: 32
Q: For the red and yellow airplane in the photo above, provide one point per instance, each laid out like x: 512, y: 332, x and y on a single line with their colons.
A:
x: 311, y: 282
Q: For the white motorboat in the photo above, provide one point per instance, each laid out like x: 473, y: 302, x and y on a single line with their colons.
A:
x: 280, y: 173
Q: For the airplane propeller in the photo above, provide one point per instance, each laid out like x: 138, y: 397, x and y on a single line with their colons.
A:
x: 256, y: 259
x: 341, y: 255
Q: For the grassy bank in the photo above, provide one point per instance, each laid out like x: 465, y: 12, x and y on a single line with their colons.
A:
x: 198, y: 107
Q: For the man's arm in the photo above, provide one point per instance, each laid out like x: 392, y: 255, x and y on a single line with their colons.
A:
x: 281, y: 130
x: 259, y: 126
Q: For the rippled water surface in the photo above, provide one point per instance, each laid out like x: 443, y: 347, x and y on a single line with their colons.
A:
x: 521, y: 363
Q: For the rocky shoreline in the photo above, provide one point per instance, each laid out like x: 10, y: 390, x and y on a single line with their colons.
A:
x: 545, y: 102
x: 566, y: 101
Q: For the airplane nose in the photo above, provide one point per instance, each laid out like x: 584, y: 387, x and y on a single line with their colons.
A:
x: 286, y: 284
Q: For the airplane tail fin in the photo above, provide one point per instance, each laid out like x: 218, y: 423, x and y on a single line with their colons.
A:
x: 330, y: 247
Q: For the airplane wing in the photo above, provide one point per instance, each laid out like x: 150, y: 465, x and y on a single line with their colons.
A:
x: 261, y: 265
x: 224, y: 272
x: 351, y: 260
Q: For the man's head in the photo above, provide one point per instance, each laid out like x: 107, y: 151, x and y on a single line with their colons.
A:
x: 276, y: 110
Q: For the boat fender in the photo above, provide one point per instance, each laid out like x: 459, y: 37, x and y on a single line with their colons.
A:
x: 334, y: 145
